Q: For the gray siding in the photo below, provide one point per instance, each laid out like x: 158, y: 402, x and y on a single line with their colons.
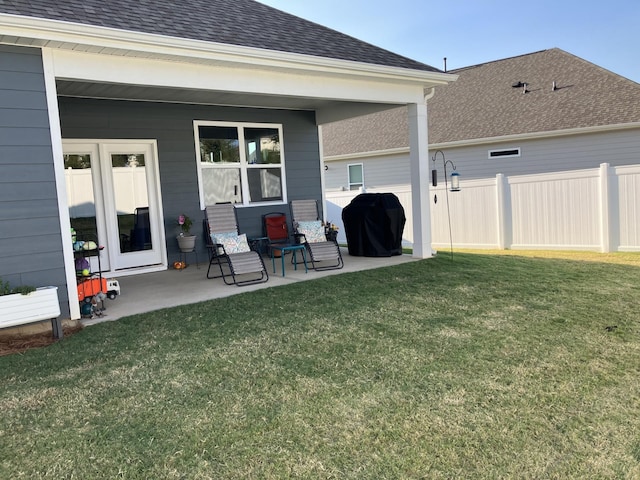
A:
x: 555, y: 154
x: 545, y: 155
x: 30, y: 237
x: 172, y: 126
x: 378, y: 171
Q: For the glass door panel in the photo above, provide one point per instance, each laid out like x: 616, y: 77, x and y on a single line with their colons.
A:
x: 131, y: 202
x: 81, y: 199
x: 82, y: 179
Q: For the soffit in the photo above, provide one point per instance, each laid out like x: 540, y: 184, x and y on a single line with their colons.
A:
x: 71, y: 88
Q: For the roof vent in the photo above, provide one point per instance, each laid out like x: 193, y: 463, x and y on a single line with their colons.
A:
x: 554, y: 87
x: 522, y: 85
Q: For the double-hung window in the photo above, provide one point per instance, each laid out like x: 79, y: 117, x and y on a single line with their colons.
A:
x: 240, y: 163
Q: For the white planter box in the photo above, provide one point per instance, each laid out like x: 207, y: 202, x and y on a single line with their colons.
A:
x: 18, y: 309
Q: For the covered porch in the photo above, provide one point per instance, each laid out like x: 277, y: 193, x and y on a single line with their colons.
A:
x: 154, y: 291
x: 165, y: 99
x: 171, y: 112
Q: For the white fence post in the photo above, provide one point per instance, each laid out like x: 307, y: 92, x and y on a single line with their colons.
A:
x: 503, y: 212
x: 605, y: 208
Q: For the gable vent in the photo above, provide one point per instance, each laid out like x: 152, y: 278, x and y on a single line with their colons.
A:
x: 507, y: 152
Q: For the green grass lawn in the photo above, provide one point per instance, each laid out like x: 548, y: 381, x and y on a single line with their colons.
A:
x: 487, y: 366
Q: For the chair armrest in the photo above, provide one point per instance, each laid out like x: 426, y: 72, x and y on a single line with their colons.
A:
x: 216, y: 250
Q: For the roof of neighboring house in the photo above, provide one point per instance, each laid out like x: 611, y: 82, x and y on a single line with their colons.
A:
x: 483, y: 103
x: 235, y: 22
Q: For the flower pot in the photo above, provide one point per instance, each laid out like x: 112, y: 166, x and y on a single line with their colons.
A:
x: 42, y: 304
x: 187, y: 243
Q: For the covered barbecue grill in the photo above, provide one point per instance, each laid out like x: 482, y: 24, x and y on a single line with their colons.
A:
x: 373, y: 224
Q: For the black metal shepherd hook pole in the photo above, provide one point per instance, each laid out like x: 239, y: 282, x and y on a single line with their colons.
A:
x: 455, y: 186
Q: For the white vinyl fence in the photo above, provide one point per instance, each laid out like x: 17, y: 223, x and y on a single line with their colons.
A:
x: 596, y: 209
x: 130, y: 186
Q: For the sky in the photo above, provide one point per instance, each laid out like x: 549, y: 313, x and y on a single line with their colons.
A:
x: 470, y: 32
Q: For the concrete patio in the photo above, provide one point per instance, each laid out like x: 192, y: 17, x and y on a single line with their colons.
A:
x: 154, y: 291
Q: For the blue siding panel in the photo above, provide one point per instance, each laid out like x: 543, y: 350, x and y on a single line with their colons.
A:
x: 19, y: 59
x: 172, y: 126
x: 13, y: 98
x: 13, y: 117
x: 23, y: 81
x: 30, y: 238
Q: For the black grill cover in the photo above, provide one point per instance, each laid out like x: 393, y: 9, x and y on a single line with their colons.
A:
x: 373, y: 223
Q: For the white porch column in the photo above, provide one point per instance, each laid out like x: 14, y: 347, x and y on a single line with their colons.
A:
x: 61, y: 184
x: 419, y: 160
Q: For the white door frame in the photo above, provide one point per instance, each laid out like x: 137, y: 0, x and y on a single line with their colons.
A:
x: 103, y: 183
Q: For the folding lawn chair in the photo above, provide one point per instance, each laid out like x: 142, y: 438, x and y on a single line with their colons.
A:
x: 309, y: 230
x: 229, y: 250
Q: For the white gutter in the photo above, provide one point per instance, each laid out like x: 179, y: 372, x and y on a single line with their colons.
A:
x: 373, y: 153
x: 31, y: 31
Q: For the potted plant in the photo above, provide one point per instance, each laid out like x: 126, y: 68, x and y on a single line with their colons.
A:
x: 23, y: 305
x: 331, y: 231
x: 186, y: 241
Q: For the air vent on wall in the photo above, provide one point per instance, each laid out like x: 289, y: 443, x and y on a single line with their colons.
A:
x: 507, y: 152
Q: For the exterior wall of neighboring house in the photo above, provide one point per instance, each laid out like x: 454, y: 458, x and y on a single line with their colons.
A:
x: 376, y: 171
x: 172, y: 126
x: 548, y: 154
x: 541, y: 155
x: 30, y: 243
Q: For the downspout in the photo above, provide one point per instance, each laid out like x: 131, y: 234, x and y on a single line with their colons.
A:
x: 429, y: 96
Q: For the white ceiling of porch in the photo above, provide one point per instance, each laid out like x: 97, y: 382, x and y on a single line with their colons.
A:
x: 83, y: 89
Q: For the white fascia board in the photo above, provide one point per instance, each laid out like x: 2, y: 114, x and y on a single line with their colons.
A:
x: 92, y: 67
x: 57, y: 34
x: 536, y: 135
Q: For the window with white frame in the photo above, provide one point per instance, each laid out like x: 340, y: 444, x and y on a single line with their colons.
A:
x: 356, y: 176
x: 240, y: 163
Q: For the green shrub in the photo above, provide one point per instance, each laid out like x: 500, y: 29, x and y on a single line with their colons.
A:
x: 24, y: 289
x: 5, y: 289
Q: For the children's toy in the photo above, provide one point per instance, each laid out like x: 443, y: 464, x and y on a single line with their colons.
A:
x: 93, y: 288
x: 113, y: 288
x: 90, y: 287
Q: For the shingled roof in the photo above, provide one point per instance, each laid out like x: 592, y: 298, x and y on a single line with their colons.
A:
x: 483, y: 103
x: 235, y: 22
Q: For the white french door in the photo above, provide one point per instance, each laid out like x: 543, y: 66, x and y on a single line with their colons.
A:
x: 113, y: 192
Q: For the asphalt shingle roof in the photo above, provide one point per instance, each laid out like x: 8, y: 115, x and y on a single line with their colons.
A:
x: 482, y: 103
x: 235, y: 22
